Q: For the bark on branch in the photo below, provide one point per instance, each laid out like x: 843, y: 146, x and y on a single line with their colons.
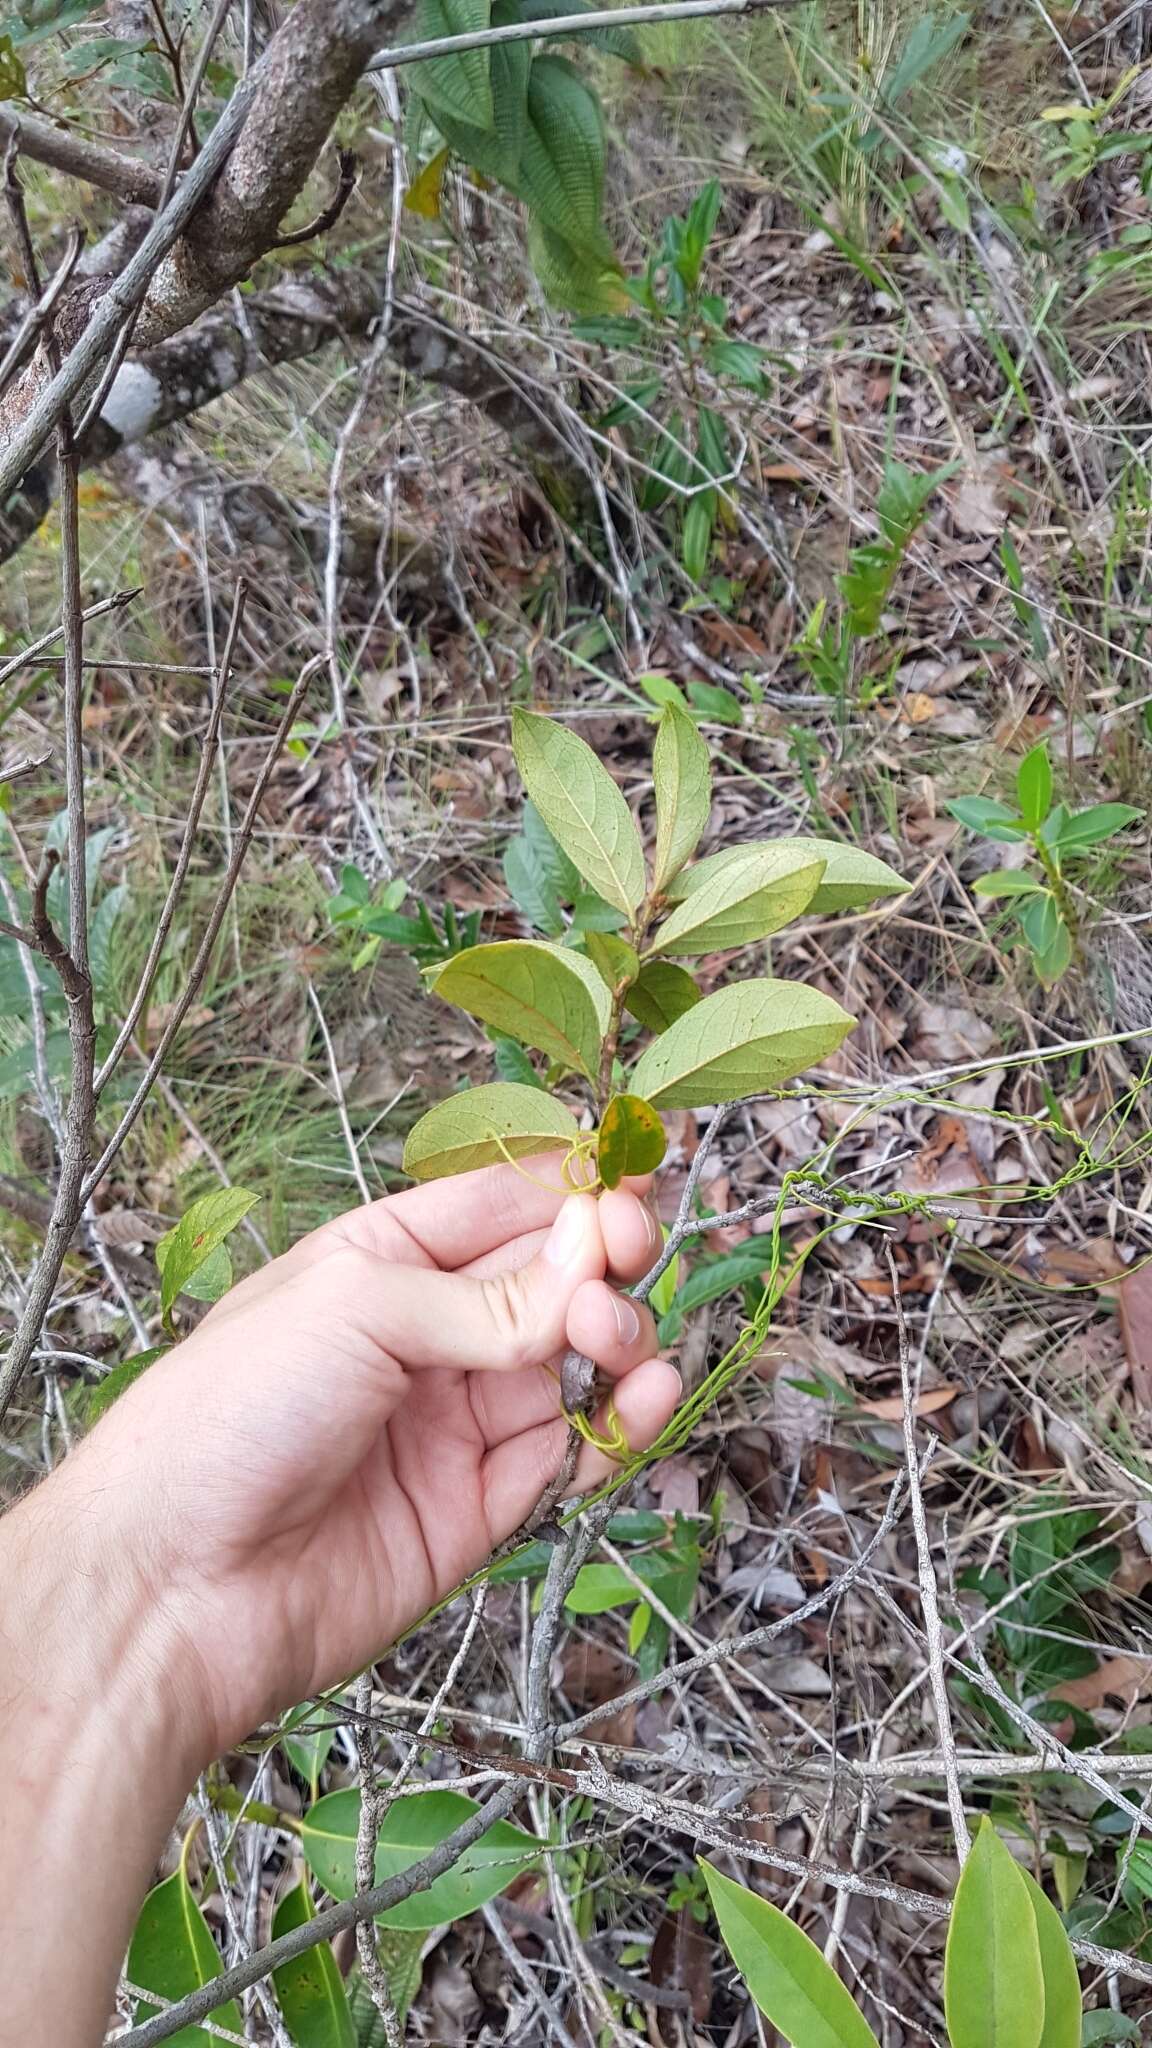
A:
x: 163, y: 385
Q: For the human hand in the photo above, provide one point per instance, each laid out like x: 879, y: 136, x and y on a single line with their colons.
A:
x: 354, y: 1428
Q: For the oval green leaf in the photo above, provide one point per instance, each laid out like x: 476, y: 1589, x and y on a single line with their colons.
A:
x: 661, y: 993
x: 200, y: 1232
x: 410, y: 1829
x: 561, y: 170
x: 740, y: 1041
x: 1034, y: 786
x: 310, y: 1988
x: 746, y: 900
x: 482, y: 1126
x: 632, y: 1139
x: 120, y: 1379
x: 617, y: 962
x: 581, y: 806
x: 172, y: 1953
x: 851, y: 879
x: 1062, y: 2001
x: 796, y: 1990
x: 682, y: 778
x: 993, y: 1980
x: 544, y: 995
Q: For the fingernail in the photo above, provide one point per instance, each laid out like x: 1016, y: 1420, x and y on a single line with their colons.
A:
x: 627, y: 1319
x: 566, y: 1235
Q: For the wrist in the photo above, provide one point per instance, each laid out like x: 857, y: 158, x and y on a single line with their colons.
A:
x: 87, y: 1642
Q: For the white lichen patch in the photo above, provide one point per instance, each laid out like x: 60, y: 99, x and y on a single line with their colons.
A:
x: 131, y: 406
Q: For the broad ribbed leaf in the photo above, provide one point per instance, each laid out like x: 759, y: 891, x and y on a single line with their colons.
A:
x: 796, y: 1990
x: 1062, y: 2001
x: 683, y: 783
x: 173, y: 1953
x: 581, y: 806
x: 740, y: 1041
x: 580, y: 280
x: 851, y: 879
x: 618, y: 42
x: 546, y: 996
x: 632, y: 1139
x: 661, y: 993
x: 412, y: 1827
x: 458, y: 84
x: 562, y: 159
x: 993, y: 1978
x: 310, y: 1989
x: 745, y: 900
x: 482, y: 1126
x: 482, y: 149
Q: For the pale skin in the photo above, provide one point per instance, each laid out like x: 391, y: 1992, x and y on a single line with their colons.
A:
x: 345, y: 1437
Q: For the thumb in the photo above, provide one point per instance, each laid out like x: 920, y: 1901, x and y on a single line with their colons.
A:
x: 500, y: 1322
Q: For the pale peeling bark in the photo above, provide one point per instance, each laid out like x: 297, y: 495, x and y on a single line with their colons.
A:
x: 161, y: 386
x: 301, y: 81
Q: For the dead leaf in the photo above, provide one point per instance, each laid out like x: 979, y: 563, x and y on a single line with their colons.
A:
x: 950, y: 1032
x: 682, y: 1961
x: 1123, y: 1678
x: 890, y: 1407
x: 1134, y: 1306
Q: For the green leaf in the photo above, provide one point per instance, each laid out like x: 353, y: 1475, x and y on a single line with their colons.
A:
x: 482, y: 1126
x: 631, y: 1139
x: 796, y: 1990
x: 1006, y: 882
x: 401, y: 1950
x: 310, y: 1988
x: 457, y: 84
x: 1106, y: 2025
x: 661, y: 993
x: 982, y: 814
x: 119, y: 1380
x: 742, y: 1040
x: 1034, y: 786
x: 1062, y: 2001
x: 696, y: 538
x: 1040, y: 920
x: 851, y: 879
x: 512, y: 1062
x: 172, y: 1953
x: 13, y: 78
x: 719, y: 1276
x: 581, y: 806
x: 672, y: 1576
x: 741, y: 360
x: 1056, y: 958
x: 741, y: 901
x: 714, y: 703
x: 618, y: 42
x: 203, y: 1227
x: 539, y: 876
x: 616, y: 962
x: 580, y: 280
x: 411, y: 1827
x: 683, y: 783
x: 993, y: 1976
x: 307, y: 1750
x: 211, y: 1281
x: 1099, y: 821
x: 561, y: 175
x: 546, y: 996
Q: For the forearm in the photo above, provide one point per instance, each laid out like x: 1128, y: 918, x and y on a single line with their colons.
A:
x: 95, y: 1760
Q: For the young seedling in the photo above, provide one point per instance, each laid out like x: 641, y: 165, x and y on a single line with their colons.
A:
x: 624, y: 1030
x: 1038, y: 896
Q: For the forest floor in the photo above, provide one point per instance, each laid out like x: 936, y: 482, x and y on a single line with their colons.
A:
x: 926, y: 290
